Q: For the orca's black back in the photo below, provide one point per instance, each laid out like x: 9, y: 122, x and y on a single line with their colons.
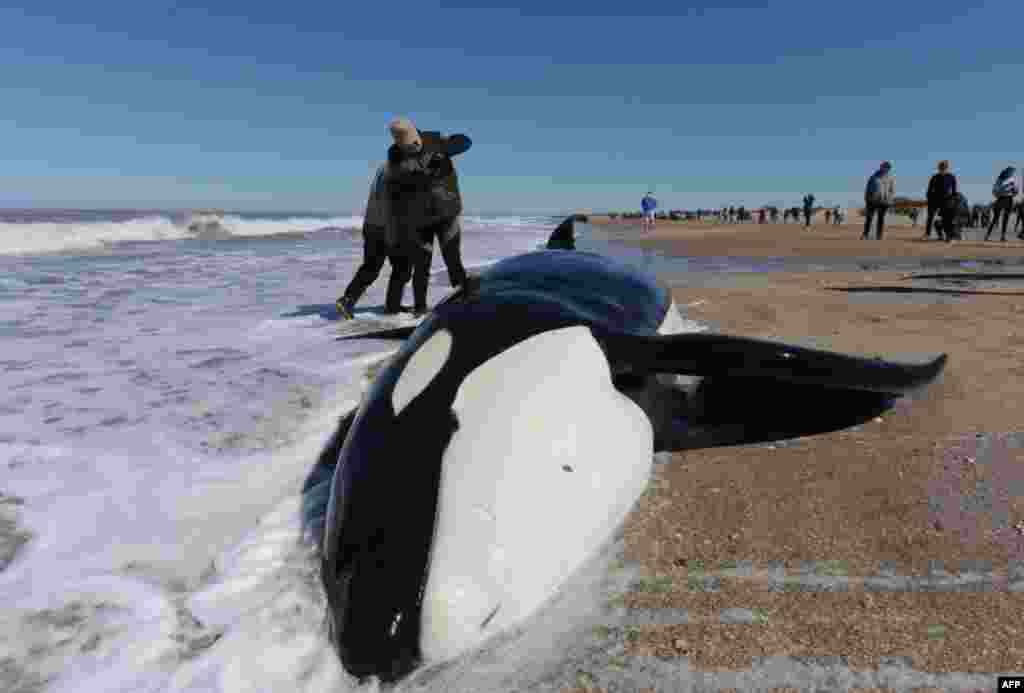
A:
x: 607, y: 294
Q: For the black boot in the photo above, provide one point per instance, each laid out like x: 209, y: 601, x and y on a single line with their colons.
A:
x: 345, y: 306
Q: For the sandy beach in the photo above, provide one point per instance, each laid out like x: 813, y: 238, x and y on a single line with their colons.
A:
x: 929, y: 491
x: 900, y: 240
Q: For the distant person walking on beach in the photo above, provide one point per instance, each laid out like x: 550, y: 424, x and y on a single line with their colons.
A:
x: 379, y: 243
x: 1004, y: 190
x: 808, y: 210
x: 828, y: 215
x: 425, y: 201
x: 878, y: 197
x: 945, y: 197
x: 837, y: 216
x: 938, y: 196
x: 648, y: 204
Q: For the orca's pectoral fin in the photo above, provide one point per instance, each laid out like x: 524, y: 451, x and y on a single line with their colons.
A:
x: 714, y: 355
x: 740, y: 411
x: 316, y: 489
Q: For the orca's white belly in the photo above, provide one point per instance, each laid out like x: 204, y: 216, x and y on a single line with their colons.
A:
x: 548, y: 459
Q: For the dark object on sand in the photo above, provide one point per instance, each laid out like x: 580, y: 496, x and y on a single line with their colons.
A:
x: 956, y: 217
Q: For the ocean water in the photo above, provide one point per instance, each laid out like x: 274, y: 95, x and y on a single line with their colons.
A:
x: 162, y: 399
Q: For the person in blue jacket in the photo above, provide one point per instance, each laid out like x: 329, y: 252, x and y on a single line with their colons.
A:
x: 648, y: 204
x: 1004, y: 190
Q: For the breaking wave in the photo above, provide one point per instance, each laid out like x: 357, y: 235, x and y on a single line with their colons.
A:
x: 57, y: 236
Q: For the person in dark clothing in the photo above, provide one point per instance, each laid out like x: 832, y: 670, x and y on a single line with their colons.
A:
x: 426, y: 204
x: 878, y: 197
x: 1004, y: 190
x: 808, y: 210
x: 378, y: 246
x: 950, y: 204
x: 941, y: 195
x: 1019, y: 221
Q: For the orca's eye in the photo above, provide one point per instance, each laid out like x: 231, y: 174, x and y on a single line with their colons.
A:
x: 421, y: 369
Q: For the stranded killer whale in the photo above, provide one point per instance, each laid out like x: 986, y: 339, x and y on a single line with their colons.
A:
x: 447, y: 520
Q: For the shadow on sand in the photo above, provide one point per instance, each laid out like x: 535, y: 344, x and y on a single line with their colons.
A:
x: 921, y: 290
x: 327, y: 311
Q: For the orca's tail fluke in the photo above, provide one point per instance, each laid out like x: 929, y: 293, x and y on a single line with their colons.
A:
x: 725, y: 356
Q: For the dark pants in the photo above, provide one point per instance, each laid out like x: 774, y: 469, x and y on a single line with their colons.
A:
x: 1002, y: 208
x: 871, y: 212
x: 375, y: 252
x: 947, y: 217
x: 933, y: 210
x: 807, y: 217
x: 423, y: 255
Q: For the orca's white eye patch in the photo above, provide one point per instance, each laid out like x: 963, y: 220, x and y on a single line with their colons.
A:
x: 421, y: 369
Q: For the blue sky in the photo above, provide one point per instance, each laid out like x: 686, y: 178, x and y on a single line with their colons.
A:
x: 284, y: 106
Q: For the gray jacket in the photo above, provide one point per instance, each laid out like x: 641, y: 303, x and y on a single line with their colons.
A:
x: 377, y: 221
x: 881, y: 189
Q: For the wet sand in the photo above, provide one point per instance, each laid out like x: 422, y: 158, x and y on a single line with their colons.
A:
x: 793, y: 538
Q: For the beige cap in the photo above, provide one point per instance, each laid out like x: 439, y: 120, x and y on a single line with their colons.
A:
x: 404, y: 133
